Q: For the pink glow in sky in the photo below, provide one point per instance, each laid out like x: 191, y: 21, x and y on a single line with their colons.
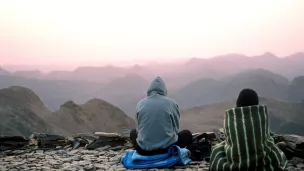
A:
x: 85, y: 32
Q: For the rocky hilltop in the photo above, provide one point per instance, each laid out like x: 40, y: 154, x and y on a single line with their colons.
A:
x: 94, y: 115
x: 22, y: 112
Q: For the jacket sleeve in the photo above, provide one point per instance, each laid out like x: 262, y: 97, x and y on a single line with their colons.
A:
x: 176, y: 117
x: 136, y: 120
x: 136, y: 117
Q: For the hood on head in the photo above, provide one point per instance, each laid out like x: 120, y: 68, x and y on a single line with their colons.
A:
x: 158, y: 86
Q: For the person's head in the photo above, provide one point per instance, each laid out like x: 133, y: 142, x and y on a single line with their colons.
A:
x: 247, y: 97
x: 158, y: 86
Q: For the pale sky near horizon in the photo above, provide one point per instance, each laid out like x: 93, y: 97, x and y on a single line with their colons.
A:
x: 93, y: 32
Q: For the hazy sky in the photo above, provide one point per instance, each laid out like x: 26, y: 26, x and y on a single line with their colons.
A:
x: 85, y: 32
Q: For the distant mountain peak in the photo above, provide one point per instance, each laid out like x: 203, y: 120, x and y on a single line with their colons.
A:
x: 194, y: 60
x: 258, y: 73
x: 97, y: 101
x: 3, y: 71
x: 100, y: 104
x: 296, y: 55
x: 29, y: 73
x: 21, y: 94
x: 69, y: 104
x: 268, y: 55
x: 230, y: 55
x: 136, y: 66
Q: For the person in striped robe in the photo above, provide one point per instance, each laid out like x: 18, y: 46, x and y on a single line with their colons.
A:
x: 248, y: 144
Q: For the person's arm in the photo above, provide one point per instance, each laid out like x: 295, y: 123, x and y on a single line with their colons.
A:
x: 136, y: 120
x: 176, y: 117
x: 137, y: 116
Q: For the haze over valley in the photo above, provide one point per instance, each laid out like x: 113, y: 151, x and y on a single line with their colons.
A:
x: 193, y: 83
x: 82, y: 66
x: 203, y: 88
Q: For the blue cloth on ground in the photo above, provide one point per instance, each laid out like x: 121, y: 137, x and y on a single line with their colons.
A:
x: 175, y: 156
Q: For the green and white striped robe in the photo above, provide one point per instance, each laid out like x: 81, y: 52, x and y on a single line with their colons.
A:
x: 248, y: 144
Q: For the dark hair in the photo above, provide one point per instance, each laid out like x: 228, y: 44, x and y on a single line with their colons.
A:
x: 247, y: 97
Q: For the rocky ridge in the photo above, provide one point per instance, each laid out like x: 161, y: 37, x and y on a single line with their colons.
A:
x: 23, y: 112
x: 74, y: 154
x: 53, y: 152
x: 72, y: 160
x: 90, y: 160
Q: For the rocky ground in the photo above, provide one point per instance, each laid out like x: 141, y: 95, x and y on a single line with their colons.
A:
x: 72, y: 160
x: 103, y: 151
x: 67, y: 159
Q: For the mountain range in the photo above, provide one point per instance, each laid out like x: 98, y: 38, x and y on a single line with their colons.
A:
x: 181, y: 74
x: 284, y: 117
x: 125, y: 92
x: 22, y: 112
x: 208, y: 91
x: 193, y: 83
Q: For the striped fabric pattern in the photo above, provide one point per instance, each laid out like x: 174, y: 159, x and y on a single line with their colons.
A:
x: 248, y: 144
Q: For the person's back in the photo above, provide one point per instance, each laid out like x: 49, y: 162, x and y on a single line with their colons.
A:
x: 157, y: 120
x: 248, y: 144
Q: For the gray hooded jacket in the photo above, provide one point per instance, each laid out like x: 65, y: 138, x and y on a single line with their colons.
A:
x: 157, y: 118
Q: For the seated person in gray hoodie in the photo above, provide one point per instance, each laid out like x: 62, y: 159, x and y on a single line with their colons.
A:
x: 157, y: 122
